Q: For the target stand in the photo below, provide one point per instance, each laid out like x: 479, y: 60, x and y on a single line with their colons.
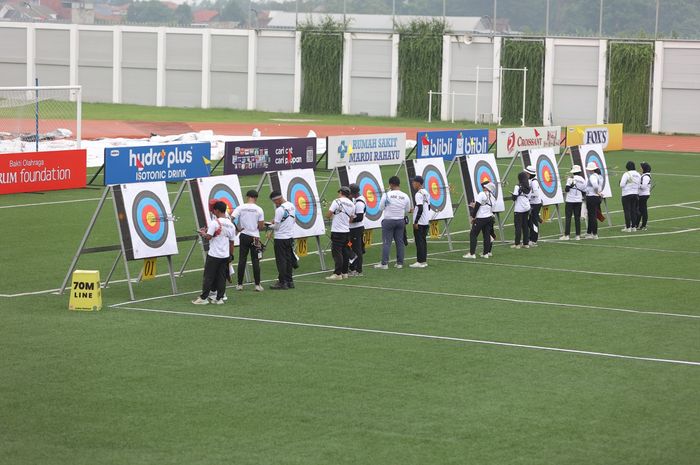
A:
x: 595, y: 155
x: 155, y: 232
x: 524, y: 156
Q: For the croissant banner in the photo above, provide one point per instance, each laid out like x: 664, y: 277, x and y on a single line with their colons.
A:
x: 607, y: 135
x: 510, y: 141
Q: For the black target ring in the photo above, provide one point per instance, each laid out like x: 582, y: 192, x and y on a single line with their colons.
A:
x: 484, y: 172
x: 150, y: 219
x: 436, y: 187
x: 302, y: 197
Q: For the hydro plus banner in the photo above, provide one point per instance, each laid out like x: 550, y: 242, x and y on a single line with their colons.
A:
x: 42, y: 171
x: 510, y: 141
x: 361, y: 149
x: 450, y: 144
x: 150, y: 163
x: 259, y: 156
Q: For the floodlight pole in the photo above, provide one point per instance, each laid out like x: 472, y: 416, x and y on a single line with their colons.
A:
x: 524, y: 93
x: 36, y: 114
x: 430, y: 106
x: 476, y: 98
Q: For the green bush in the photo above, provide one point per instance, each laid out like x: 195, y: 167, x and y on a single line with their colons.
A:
x: 630, y: 75
x: 522, y: 54
x: 322, y: 67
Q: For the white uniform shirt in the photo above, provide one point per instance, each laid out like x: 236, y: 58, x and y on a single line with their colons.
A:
x: 578, y: 187
x: 284, y: 221
x: 522, y: 202
x: 421, y: 198
x: 343, y: 210
x: 222, y: 232
x: 486, y: 200
x: 645, y: 184
x: 360, y: 209
x: 535, y: 196
x: 395, y: 205
x: 594, y: 184
x: 248, y: 215
x: 630, y: 183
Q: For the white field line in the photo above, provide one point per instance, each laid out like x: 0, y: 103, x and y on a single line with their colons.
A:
x: 660, y: 174
x: 58, y: 202
x: 688, y: 206
x: 417, y: 335
x: 565, y: 270
x: 505, y: 299
x: 642, y: 249
x: 668, y: 154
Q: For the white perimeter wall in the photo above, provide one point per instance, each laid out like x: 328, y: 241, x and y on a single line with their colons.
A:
x: 261, y: 70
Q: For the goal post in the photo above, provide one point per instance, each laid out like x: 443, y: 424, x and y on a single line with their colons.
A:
x: 37, y: 118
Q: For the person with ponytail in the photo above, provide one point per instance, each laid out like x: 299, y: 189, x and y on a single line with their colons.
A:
x: 630, y: 197
x: 535, y: 205
x: 521, y: 197
x: 644, y: 194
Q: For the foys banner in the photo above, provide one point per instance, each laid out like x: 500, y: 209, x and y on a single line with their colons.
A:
x: 450, y: 144
x: 42, y: 171
x: 609, y: 136
x: 150, y: 163
x: 259, y: 156
x: 510, y: 141
x: 360, y: 149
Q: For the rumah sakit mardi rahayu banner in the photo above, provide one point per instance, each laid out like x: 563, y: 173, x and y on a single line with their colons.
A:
x: 450, y: 144
x: 361, y: 149
x: 124, y: 165
x: 42, y: 171
x: 258, y: 156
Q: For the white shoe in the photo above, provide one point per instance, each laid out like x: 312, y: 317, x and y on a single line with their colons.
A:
x: 424, y: 265
x: 357, y: 275
x: 335, y: 277
x: 212, y: 296
x: 200, y: 301
x: 239, y: 287
x: 625, y: 230
x: 345, y: 276
x: 515, y: 246
x: 594, y: 236
x: 470, y: 256
x: 380, y: 266
x: 526, y: 246
x: 533, y: 244
x: 643, y: 229
x: 485, y: 255
x: 634, y: 229
x: 218, y: 302
x: 578, y: 238
x: 565, y: 238
x: 259, y: 288
x: 416, y: 265
x: 398, y: 265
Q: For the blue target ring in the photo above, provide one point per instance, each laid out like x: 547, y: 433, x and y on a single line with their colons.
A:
x: 434, y: 183
x: 371, y: 191
x: 483, y: 172
x: 300, y: 194
x: 547, y: 176
x: 592, y: 156
x: 150, y: 219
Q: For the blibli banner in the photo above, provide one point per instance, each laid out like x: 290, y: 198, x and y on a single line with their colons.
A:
x: 450, y: 144
x: 608, y: 135
x: 382, y: 149
x: 124, y: 165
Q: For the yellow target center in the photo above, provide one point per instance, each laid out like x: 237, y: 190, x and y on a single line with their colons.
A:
x: 151, y: 218
x: 547, y: 176
x: 302, y: 203
x: 370, y: 196
x: 435, y: 189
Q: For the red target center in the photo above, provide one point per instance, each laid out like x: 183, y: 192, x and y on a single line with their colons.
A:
x: 150, y: 219
x: 370, y: 196
x: 434, y: 188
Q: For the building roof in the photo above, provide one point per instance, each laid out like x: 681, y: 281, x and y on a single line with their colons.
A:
x: 204, y: 16
x: 26, y: 11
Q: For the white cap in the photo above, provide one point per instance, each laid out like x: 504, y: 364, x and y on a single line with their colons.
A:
x: 491, y: 187
x: 575, y: 169
x: 530, y: 169
x: 591, y: 166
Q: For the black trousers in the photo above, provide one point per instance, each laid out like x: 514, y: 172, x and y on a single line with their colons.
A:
x: 215, y: 272
x: 534, y: 221
x: 341, y: 252
x: 483, y: 226
x: 630, y: 205
x: 421, y: 237
x: 593, y: 206
x: 522, y: 227
x: 356, y: 235
x: 246, y: 246
x: 283, y: 259
x: 572, y: 209
x: 643, y: 216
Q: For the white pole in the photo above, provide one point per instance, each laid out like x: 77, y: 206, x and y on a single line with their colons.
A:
x: 79, y: 118
x: 452, y: 105
x: 476, y: 95
x: 430, y: 106
x: 500, y: 93
x: 524, y: 93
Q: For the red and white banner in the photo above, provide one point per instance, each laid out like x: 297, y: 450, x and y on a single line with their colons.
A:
x: 42, y: 171
x: 510, y: 141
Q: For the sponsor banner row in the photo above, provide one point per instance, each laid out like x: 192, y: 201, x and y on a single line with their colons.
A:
x: 607, y: 135
x: 510, y: 141
x: 175, y: 162
x: 259, y: 156
x: 450, y: 144
x: 42, y: 171
x: 382, y: 149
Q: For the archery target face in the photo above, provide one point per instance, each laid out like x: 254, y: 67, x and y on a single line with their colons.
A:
x: 435, y: 183
x: 482, y: 168
x: 545, y: 164
x: 368, y: 177
x: 594, y: 154
x: 299, y: 187
x: 225, y: 188
x: 146, y: 209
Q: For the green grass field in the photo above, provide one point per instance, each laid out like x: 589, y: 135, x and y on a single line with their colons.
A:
x: 569, y: 353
